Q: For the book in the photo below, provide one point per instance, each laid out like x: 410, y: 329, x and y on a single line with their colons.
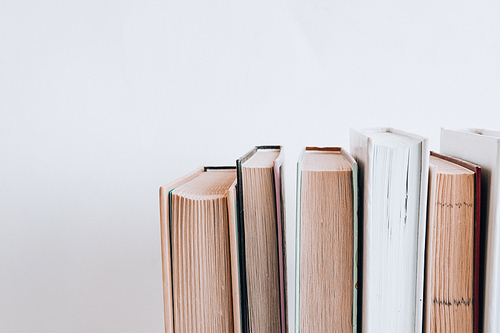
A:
x: 482, y: 147
x: 261, y: 240
x: 393, y: 169
x: 327, y: 227
x: 452, y: 254
x: 199, y: 252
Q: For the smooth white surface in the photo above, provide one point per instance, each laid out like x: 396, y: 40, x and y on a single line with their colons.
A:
x: 102, y: 102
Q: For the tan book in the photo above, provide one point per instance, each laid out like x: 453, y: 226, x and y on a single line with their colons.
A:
x: 482, y: 147
x: 261, y: 240
x: 327, y: 228
x: 452, y: 254
x: 199, y: 252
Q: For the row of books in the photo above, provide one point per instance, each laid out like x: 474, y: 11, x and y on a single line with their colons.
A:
x: 424, y: 259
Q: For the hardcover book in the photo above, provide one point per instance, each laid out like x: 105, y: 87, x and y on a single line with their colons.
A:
x: 482, y: 147
x: 199, y: 252
x: 453, y: 246
x: 261, y: 240
x: 327, y: 227
x: 393, y: 167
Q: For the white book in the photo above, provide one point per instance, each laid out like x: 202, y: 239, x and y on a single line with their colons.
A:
x: 483, y: 148
x: 393, y: 169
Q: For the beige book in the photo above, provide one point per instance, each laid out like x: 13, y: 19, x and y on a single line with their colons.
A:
x: 327, y: 241
x: 261, y: 240
x: 482, y: 147
x: 450, y: 283
x: 199, y: 252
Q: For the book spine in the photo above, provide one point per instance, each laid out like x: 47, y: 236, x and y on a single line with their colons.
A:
x: 355, y: 249
x: 241, y: 250
x: 424, y: 190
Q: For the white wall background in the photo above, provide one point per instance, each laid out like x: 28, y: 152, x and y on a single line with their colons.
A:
x: 101, y: 102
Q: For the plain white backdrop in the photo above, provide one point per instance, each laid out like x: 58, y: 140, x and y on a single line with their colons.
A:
x: 102, y: 102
